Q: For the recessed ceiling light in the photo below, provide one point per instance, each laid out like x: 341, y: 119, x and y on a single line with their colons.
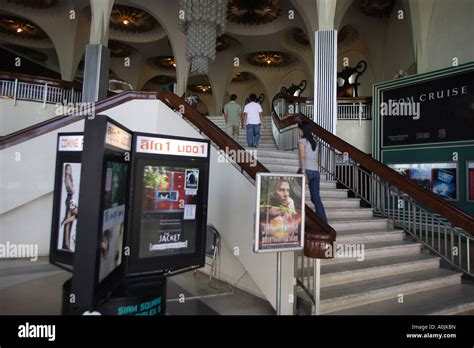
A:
x: 126, y: 22
x: 19, y: 30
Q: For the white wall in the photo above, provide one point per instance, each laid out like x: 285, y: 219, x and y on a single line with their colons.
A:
x: 357, y: 135
x: 23, y: 114
x: 27, y: 185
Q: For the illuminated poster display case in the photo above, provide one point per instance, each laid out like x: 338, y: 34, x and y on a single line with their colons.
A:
x: 168, y: 204
x: 440, y: 178
x: 470, y: 181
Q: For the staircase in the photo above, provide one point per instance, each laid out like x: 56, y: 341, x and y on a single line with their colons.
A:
x: 396, y: 275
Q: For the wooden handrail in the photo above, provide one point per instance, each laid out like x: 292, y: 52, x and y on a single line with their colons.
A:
x: 4, y: 75
x: 438, y: 205
x: 64, y: 120
x: 313, y: 224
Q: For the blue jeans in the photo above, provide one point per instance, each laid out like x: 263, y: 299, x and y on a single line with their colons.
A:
x: 253, y: 134
x: 313, y: 179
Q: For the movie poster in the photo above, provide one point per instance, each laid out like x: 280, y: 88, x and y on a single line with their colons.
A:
x: 169, y: 204
x: 470, y: 181
x: 439, y: 178
x: 280, y: 212
x: 111, y: 244
x: 69, y: 206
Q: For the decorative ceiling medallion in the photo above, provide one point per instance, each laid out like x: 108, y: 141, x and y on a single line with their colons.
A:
x: 347, y: 35
x: 223, y: 42
x: 375, y: 8
x: 36, y: 4
x: 120, y: 50
x: 269, y: 59
x: 164, y: 62
x: 253, y: 12
x: 162, y: 80
x: 21, y: 27
x: 32, y: 54
x: 200, y: 88
x: 131, y: 19
x: 300, y: 37
x: 243, y: 77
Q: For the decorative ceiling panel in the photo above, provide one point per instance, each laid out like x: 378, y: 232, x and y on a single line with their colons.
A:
x: 253, y: 12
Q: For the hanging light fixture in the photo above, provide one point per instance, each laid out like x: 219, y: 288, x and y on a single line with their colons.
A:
x: 202, y: 21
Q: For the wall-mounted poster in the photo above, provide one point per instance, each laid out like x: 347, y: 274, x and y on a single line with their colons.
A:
x: 69, y: 207
x: 470, y: 181
x: 279, y: 224
x: 439, y: 178
x: 168, y: 211
x: 113, y: 217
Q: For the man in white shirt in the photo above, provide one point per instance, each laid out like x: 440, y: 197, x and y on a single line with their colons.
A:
x: 253, y: 118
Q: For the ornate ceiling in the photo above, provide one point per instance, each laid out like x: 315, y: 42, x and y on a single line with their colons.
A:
x: 253, y: 12
x: 269, y: 59
x: 243, y: 77
x: 131, y: 19
x: 162, y: 80
x: 200, y: 88
x: 30, y: 53
x: 347, y: 36
x: 36, y: 4
x: 21, y: 27
x: 164, y: 62
x: 119, y: 49
x: 375, y: 8
x: 300, y: 37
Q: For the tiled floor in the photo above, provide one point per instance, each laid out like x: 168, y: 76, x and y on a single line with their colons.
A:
x: 35, y: 288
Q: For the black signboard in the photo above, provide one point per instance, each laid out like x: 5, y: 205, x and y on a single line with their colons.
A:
x: 168, y: 203
x: 99, y: 259
x: 66, y: 199
x: 446, y: 111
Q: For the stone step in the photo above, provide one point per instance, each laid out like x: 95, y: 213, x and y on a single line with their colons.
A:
x: 369, y: 236
x: 449, y: 300
x: 377, y: 268
x: 278, y: 160
x: 330, y: 203
x: 358, y: 224
x: 277, y: 154
x: 348, y: 213
x: 345, y: 296
x: 379, y: 249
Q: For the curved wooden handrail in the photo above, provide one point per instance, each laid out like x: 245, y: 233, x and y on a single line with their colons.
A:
x: 64, y: 120
x: 4, y: 75
x: 312, y: 222
x: 438, y: 205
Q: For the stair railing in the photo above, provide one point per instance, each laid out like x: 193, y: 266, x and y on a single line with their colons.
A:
x: 438, y: 225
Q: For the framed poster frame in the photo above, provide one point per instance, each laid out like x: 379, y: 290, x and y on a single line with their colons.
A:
x: 160, y: 264
x: 438, y: 162
x: 64, y: 155
x: 468, y: 182
x: 103, y: 142
x: 258, y: 236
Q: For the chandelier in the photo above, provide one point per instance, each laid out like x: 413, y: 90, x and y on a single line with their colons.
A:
x: 202, y: 21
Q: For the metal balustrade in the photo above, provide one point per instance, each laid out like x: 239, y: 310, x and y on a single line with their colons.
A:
x: 451, y: 243
x: 17, y: 90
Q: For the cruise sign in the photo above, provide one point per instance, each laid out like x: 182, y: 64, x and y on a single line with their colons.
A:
x: 172, y: 147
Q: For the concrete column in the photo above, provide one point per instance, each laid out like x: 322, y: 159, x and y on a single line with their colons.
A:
x: 96, y: 71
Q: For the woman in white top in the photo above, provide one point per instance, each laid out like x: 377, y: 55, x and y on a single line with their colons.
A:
x: 308, y: 151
